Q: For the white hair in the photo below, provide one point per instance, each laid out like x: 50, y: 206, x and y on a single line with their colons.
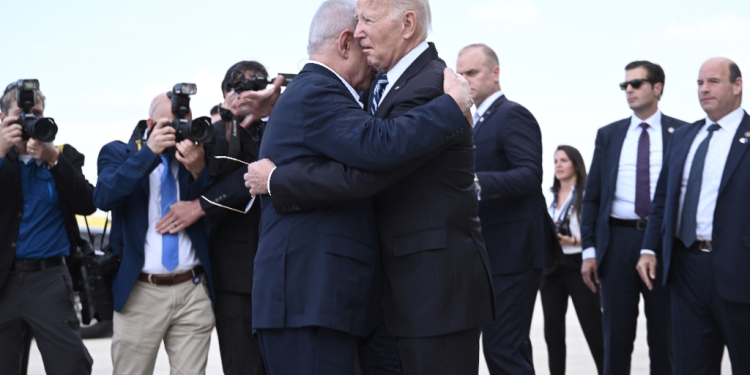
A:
x: 332, y: 18
x: 421, y: 9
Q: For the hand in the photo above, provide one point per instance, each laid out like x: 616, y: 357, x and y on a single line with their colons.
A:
x: 257, y: 104
x: 10, y: 135
x: 256, y: 178
x: 180, y: 216
x: 161, y: 137
x: 43, y: 151
x: 588, y: 269
x: 191, y: 156
x: 457, y: 87
x: 566, y: 240
x: 647, y: 269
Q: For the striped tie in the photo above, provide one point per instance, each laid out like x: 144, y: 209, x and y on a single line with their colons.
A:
x: 378, y: 92
x: 689, y: 219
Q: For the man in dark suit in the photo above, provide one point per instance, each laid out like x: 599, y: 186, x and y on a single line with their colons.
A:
x: 162, y: 290
x: 316, y: 272
x: 699, y: 228
x: 620, y: 186
x: 43, y: 188
x: 233, y: 231
x: 437, y: 289
x: 516, y: 227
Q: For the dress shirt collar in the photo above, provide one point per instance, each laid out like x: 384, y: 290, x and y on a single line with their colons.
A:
x: 26, y: 160
x: 729, y: 122
x: 395, y: 73
x: 654, y: 121
x: 488, y: 102
x: 348, y: 86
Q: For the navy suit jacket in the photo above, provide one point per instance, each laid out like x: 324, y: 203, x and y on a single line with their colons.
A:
x: 437, y: 279
x: 123, y: 188
x: 516, y: 226
x: 320, y: 267
x: 602, y: 181
x: 731, y: 222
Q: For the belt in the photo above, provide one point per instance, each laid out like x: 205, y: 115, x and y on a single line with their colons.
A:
x: 638, y: 224
x: 35, y: 265
x: 704, y: 246
x: 170, y: 280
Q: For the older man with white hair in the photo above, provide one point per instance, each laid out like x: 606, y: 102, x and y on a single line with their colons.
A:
x: 316, y: 279
x: 437, y: 291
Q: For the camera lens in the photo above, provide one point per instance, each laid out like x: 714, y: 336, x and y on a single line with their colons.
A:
x: 201, y: 129
x: 45, y: 130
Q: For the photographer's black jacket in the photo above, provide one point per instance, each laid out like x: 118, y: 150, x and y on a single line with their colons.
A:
x: 76, y: 198
x: 234, y: 236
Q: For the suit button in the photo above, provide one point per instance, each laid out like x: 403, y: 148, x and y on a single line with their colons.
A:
x: 12, y: 245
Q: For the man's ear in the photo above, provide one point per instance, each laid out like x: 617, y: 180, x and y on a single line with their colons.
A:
x: 658, y: 89
x: 496, y: 74
x: 344, y: 44
x: 409, y: 24
x: 737, y: 86
x: 150, y: 122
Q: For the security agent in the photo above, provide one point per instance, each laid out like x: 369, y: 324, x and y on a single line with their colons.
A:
x: 233, y: 236
x: 162, y: 288
x: 43, y: 188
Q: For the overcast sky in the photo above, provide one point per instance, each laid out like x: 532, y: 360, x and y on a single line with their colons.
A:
x: 101, y: 62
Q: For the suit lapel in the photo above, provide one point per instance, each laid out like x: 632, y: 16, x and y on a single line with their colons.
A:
x: 666, y: 126
x: 488, y: 113
x: 421, y: 61
x: 618, y: 138
x: 15, y: 174
x: 736, y: 151
x: 683, y: 148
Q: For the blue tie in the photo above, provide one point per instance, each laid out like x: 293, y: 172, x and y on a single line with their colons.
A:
x: 170, y: 255
x: 689, y: 220
x: 378, y: 92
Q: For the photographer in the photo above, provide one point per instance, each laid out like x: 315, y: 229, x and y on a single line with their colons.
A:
x: 233, y: 234
x: 43, y: 189
x: 163, y: 286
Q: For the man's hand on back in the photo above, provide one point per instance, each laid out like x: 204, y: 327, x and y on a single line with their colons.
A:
x: 457, y: 87
x: 256, y: 178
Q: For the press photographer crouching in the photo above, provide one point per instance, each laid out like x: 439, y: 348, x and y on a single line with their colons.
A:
x: 162, y: 290
x: 233, y: 227
x: 43, y: 188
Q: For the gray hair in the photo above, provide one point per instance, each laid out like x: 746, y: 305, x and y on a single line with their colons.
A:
x: 332, y: 18
x: 421, y: 9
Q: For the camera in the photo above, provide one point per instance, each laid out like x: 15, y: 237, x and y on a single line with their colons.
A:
x: 563, y: 226
x: 41, y: 128
x: 198, y: 130
x: 240, y: 83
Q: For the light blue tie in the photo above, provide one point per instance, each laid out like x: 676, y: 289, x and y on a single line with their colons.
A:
x: 170, y: 255
x: 689, y: 219
x: 378, y: 92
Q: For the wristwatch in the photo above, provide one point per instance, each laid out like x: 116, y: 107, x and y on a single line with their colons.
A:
x: 49, y: 167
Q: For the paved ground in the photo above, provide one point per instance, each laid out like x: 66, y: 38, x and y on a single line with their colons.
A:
x: 579, y: 358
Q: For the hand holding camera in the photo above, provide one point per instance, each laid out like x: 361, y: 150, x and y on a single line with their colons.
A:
x: 161, y: 137
x: 191, y: 156
x: 10, y: 135
x: 43, y: 151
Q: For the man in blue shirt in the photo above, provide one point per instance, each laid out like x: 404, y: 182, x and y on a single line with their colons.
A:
x: 43, y: 188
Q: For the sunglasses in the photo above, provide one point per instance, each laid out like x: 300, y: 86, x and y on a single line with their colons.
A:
x: 636, y: 83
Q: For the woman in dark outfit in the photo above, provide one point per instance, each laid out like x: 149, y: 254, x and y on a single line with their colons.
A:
x: 565, y: 280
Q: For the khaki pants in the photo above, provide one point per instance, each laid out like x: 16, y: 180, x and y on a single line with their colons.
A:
x: 181, y: 315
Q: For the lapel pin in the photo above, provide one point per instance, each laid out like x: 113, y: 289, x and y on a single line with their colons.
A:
x: 397, y: 87
x: 670, y: 130
x: 747, y: 134
x: 743, y: 140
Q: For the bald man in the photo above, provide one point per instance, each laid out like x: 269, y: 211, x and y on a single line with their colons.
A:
x: 699, y: 226
x: 161, y: 290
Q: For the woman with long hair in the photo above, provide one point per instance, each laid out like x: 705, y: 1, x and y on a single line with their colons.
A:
x: 565, y: 280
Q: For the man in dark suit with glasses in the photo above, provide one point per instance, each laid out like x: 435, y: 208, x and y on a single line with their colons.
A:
x: 621, y: 184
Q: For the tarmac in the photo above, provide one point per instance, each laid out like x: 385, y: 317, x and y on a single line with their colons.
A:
x: 579, y: 359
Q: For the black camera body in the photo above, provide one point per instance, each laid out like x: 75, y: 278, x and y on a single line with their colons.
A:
x: 41, y: 128
x: 240, y: 83
x: 198, y: 130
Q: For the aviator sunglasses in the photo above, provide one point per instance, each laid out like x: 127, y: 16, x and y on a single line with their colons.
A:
x: 636, y: 83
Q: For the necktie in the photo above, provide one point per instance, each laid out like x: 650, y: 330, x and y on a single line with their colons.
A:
x: 378, y: 92
x: 689, y: 219
x: 643, y: 174
x: 169, y: 244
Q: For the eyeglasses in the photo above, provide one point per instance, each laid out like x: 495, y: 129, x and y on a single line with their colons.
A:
x: 636, y: 83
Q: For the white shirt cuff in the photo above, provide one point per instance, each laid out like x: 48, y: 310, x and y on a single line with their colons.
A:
x: 268, y: 183
x: 588, y: 253
x: 647, y: 251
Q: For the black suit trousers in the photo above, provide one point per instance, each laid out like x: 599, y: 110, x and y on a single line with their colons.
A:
x: 621, y: 290
x: 240, y: 351
x: 703, y: 322
x: 308, y: 351
x: 42, y: 300
x: 506, y: 343
x: 452, y: 354
x: 566, y: 282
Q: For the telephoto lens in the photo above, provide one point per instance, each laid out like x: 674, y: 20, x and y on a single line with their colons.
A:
x: 198, y: 130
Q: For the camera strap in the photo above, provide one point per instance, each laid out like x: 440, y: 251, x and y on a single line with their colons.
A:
x: 234, y: 140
